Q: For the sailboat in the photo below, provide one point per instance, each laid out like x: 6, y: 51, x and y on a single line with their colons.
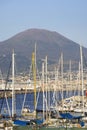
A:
x: 82, y: 107
x: 26, y: 111
x: 7, y: 123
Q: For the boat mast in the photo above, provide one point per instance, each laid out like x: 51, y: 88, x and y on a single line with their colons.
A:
x: 43, y: 85
x: 62, y: 75
x: 13, y: 88
x: 82, y: 77
x: 46, y: 84
x: 55, y: 89
x: 35, y: 57
x: 70, y: 79
x: 34, y: 78
x: 79, y: 78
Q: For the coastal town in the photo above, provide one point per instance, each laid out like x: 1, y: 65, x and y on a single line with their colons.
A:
x: 70, y: 81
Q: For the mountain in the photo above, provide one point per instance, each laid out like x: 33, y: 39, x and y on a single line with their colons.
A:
x: 48, y: 43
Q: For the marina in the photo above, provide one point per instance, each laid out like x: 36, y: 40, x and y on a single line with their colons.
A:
x: 43, y: 65
x: 47, y: 103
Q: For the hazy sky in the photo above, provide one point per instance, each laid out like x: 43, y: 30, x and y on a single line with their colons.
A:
x: 67, y: 17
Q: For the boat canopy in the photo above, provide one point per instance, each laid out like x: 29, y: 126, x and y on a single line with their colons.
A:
x: 69, y: 116
x: 21, y: 122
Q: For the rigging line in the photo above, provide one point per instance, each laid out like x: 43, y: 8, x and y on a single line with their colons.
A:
x: 3, y: 97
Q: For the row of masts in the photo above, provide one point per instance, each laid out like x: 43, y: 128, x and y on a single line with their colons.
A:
x: 44, y: 77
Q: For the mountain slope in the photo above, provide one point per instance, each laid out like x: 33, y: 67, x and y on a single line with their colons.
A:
x: 48, y: 43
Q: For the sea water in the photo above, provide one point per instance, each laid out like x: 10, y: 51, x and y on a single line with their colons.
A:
x: 29, y: 101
